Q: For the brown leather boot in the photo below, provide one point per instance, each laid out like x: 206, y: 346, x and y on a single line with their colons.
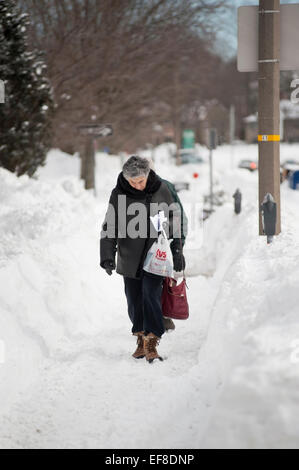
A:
x: 140, y: 352
x: 150, y: 343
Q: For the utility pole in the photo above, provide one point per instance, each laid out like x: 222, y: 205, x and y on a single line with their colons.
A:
x: 232, y: 131
x: 269, y: 105
x: 212, y: 144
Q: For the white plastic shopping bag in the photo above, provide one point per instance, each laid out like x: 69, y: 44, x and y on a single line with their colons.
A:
x: 159, y: 257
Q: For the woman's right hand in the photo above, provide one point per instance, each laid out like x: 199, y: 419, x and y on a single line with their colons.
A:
x: 109, y: 266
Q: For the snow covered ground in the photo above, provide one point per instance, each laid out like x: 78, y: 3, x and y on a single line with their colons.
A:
x: 231, y: 372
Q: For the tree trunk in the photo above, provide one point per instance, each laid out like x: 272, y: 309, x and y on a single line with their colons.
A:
x: 88, y: 165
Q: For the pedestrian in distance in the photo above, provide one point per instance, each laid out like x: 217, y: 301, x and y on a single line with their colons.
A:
x: 126, y: 239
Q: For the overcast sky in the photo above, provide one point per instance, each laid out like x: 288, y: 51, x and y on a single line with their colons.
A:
x: 227, y: 42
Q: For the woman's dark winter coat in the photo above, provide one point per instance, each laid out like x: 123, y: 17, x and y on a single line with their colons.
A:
x: 131, y: 252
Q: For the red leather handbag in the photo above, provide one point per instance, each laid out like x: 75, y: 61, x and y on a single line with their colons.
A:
x: 174, y: 299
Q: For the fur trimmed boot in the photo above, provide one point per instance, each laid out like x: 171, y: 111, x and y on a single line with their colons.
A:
x: 140, y: 352
x: 150, y: 343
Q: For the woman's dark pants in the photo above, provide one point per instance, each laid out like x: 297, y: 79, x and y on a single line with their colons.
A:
x: 144, y: 303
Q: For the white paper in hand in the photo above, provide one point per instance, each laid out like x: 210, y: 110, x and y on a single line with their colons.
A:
x: 158, y: 219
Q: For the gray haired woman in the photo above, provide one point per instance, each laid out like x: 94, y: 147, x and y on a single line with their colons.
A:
x: 140, y: 190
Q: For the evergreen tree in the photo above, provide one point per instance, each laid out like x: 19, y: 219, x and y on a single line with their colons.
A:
x: 25, y: 117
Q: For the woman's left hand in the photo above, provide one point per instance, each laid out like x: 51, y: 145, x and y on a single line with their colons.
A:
x: 179, y: 262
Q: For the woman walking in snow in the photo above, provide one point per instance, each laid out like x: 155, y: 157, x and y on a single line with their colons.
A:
x: 139, y: 189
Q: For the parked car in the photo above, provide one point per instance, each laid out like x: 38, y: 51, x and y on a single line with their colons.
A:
x: 287, y: 166
x: 250, y: 165
x: 190, y: 157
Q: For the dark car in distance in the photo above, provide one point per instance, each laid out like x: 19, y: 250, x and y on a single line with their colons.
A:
x: 189, y: 157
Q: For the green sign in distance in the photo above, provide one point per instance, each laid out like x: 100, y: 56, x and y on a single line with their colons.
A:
x: 188, y: 140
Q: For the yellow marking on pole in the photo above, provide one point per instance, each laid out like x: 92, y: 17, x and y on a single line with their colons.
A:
x: 269, y: 138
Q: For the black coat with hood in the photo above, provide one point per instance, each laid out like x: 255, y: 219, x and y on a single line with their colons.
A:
x: 131, y: 252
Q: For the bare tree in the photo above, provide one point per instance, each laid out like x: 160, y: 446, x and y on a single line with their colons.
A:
x: 116, y: 61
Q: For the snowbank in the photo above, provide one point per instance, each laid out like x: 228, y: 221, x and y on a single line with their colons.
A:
x: 50, y: 286
x: 256, y: 317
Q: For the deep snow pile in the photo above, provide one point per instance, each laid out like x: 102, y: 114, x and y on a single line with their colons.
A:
x: 67, y: 379
x: 49, y: 277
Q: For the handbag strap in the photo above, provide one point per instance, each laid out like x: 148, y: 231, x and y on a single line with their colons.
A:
x: 184, y: 276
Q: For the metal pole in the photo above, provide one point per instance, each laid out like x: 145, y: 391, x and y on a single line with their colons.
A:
x: 95, y: 149
x: 232, y: 127
x: 2, y: 92
x: 269, y: 105
x: 211, y: 180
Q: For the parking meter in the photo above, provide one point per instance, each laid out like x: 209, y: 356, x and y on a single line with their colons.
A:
x: 269, y: 215
x: 238, y: 200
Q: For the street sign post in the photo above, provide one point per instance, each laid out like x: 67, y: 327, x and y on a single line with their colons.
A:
x: 188, y: 140
x: 91, y: 132
x: 267, y: 43
x: 96, y: 130
x: 212, y: 145
x: 212, y: 139
x: 248, y: 34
